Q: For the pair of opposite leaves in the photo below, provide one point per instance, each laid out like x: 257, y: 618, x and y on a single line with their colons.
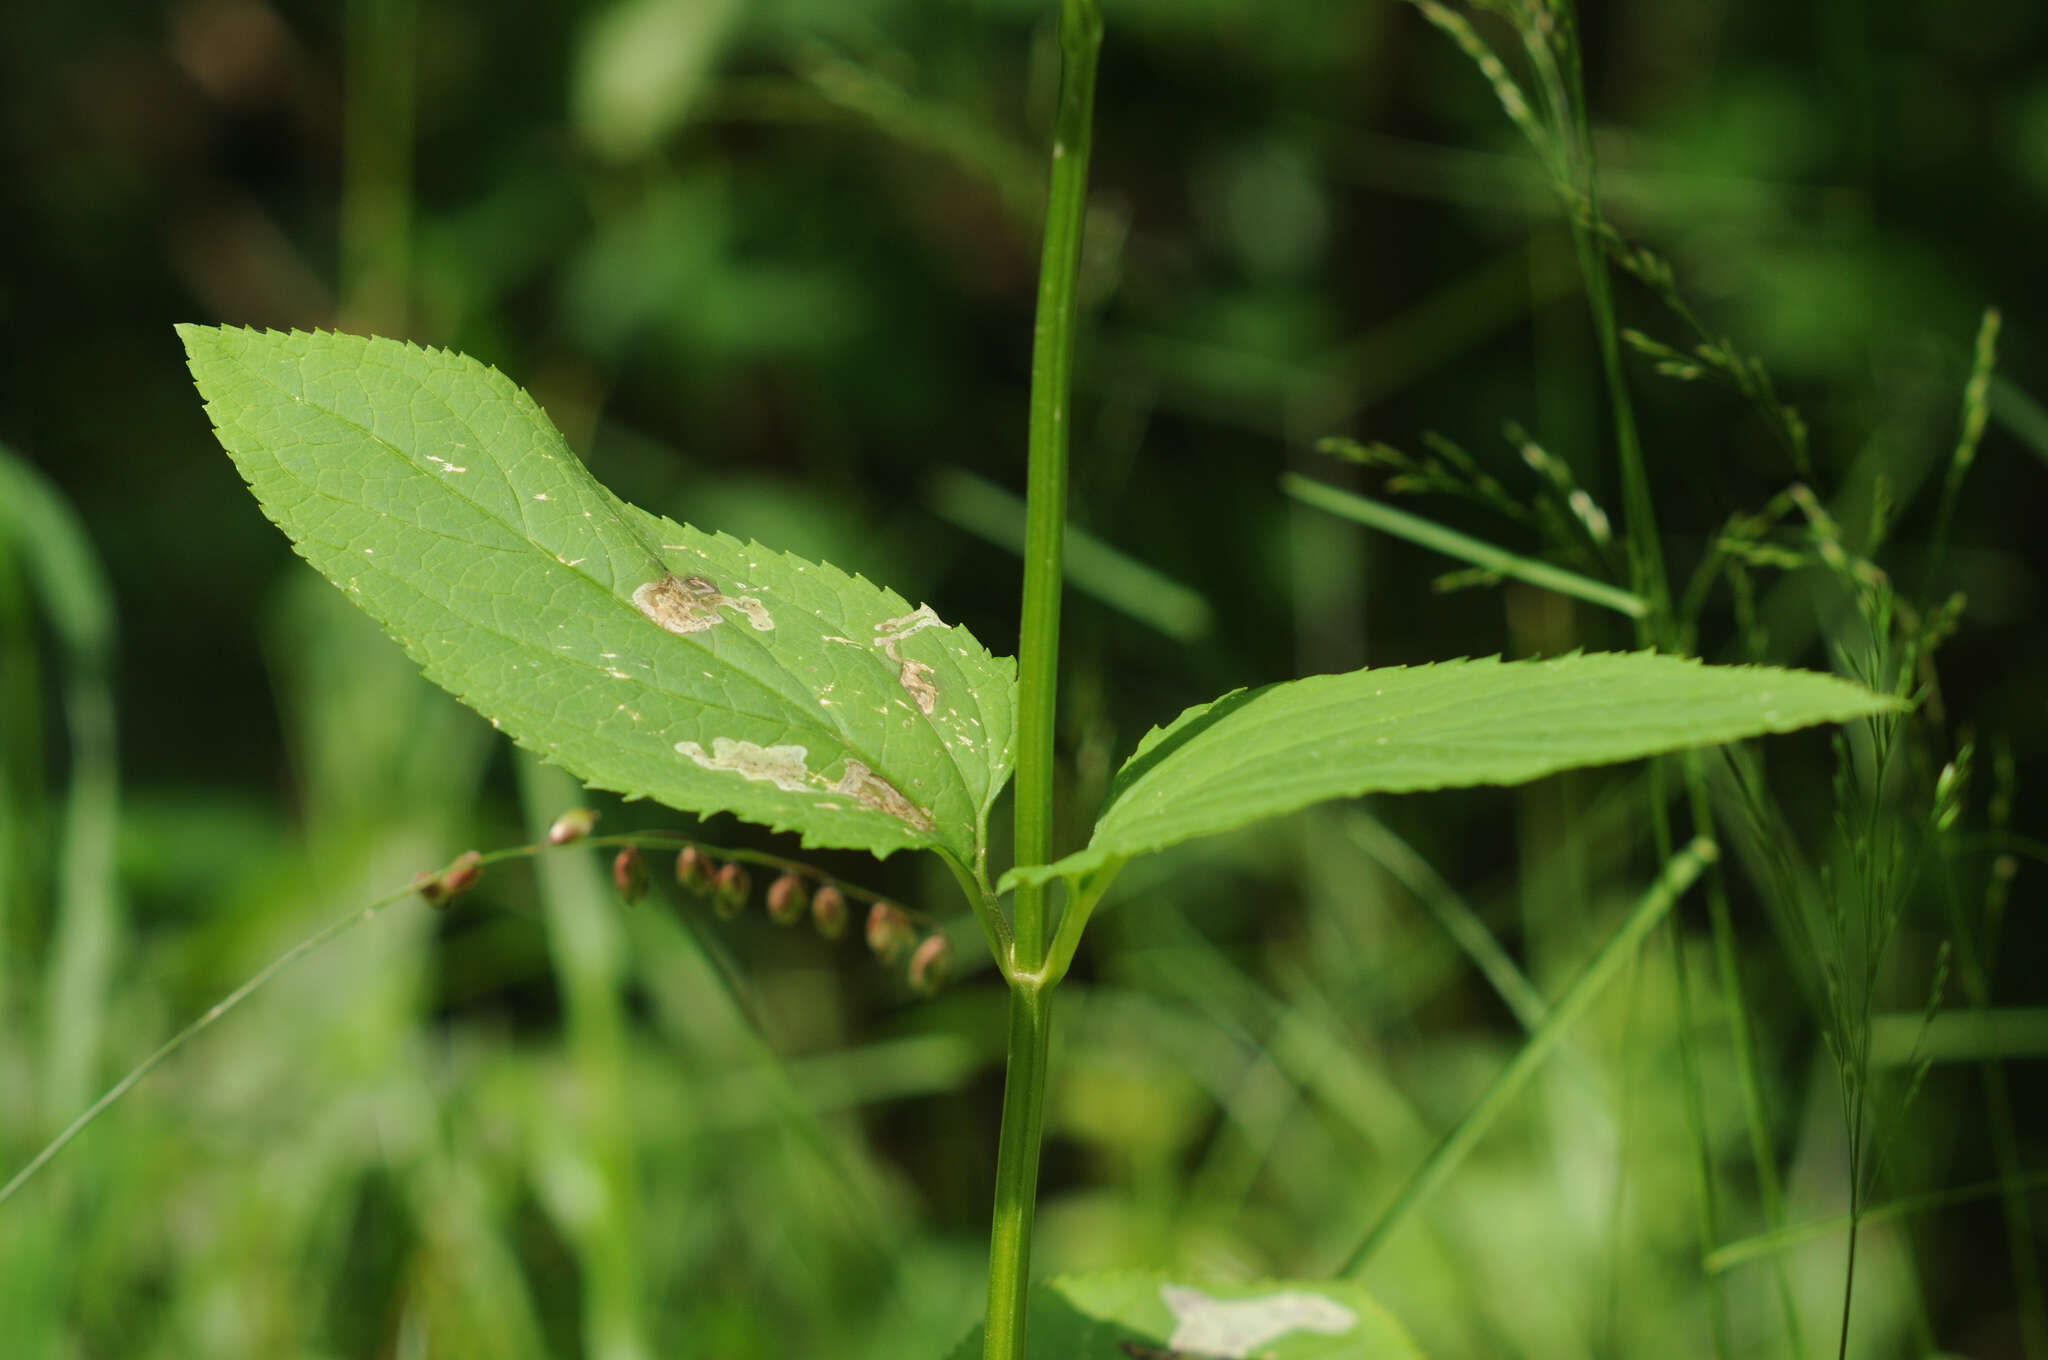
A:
x: 657, y: 660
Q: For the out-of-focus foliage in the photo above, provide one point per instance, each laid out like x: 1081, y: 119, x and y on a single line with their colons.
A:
x: 770, y: 265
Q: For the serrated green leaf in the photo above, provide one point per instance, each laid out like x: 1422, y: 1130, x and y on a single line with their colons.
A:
x: 1254, y: 754
x: 646, y: 657
x: 1092, y: 1317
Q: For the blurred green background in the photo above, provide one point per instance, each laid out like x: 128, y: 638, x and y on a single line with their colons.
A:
x: 770, y: 266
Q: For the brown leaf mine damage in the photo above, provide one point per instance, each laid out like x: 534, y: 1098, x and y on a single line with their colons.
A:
x: 870, y: 790
x: 782, y: 766
x: 785, y: 767
x: 914, y: 676
x: 690, y: 604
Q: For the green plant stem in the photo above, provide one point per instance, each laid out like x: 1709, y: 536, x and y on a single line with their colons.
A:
x: 1045, y: 515
x: 1045, y: 512
x: 1009, y: 1251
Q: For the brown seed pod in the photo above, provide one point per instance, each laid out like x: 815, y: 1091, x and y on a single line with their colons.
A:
x: 931, y: 965
x: 729, y: 889
x: 789, y: 897
x: 629, y: 875
x: 828, y: 912
x: 889, y: 932
x: 571, y: 826
x: 458, y: 878
x: 694, y: 870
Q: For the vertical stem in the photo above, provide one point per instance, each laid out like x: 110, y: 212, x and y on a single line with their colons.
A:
x: 1045, y: 515
x: 1052, y: 362
x: 1848, y: 1281
x: 1009, y: 1248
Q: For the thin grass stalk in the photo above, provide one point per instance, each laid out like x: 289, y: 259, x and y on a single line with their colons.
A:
x: 1052, y: 360
x: 1742, y: 1037
x: 1707, y: 1201
x: 2005, y: 1142
x: 1648, y: 578
x: 210, y: 1017
x: 1564, y: 144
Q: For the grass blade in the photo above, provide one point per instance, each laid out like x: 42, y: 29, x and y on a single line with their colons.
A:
x: 1429, y: 534
x: 1092, y: 566
x: 66, y: 577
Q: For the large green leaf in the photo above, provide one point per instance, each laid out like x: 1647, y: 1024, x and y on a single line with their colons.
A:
x: 646, y: 657
x: 1116, y: 1314
x: 1254, y: 754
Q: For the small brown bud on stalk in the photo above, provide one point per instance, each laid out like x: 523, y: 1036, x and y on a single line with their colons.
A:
x: 458, y: 878
x: 572, y: 826
x: 889, y: 932
x: 931, y: 965
x: 694, y: 869
x: 729, y: 889
x: 828, y: 912
x: 788, y: 899
x: 629, y: 875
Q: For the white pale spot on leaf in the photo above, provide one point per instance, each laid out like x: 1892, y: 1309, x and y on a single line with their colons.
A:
x: 787, y: 769
x: 782, y: 766
x: 690, y: 604
x: 1233, y: 1328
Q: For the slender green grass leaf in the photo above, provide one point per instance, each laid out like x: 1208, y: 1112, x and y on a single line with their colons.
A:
x: 646, y: 657
x: 1152, y: 1316
x: 1254, y: 754
x: 1906, y: 1038
x: 40, y: 525
x: 1429, y: 534
x: 1749, y: 1249
x: 1092, y: 566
